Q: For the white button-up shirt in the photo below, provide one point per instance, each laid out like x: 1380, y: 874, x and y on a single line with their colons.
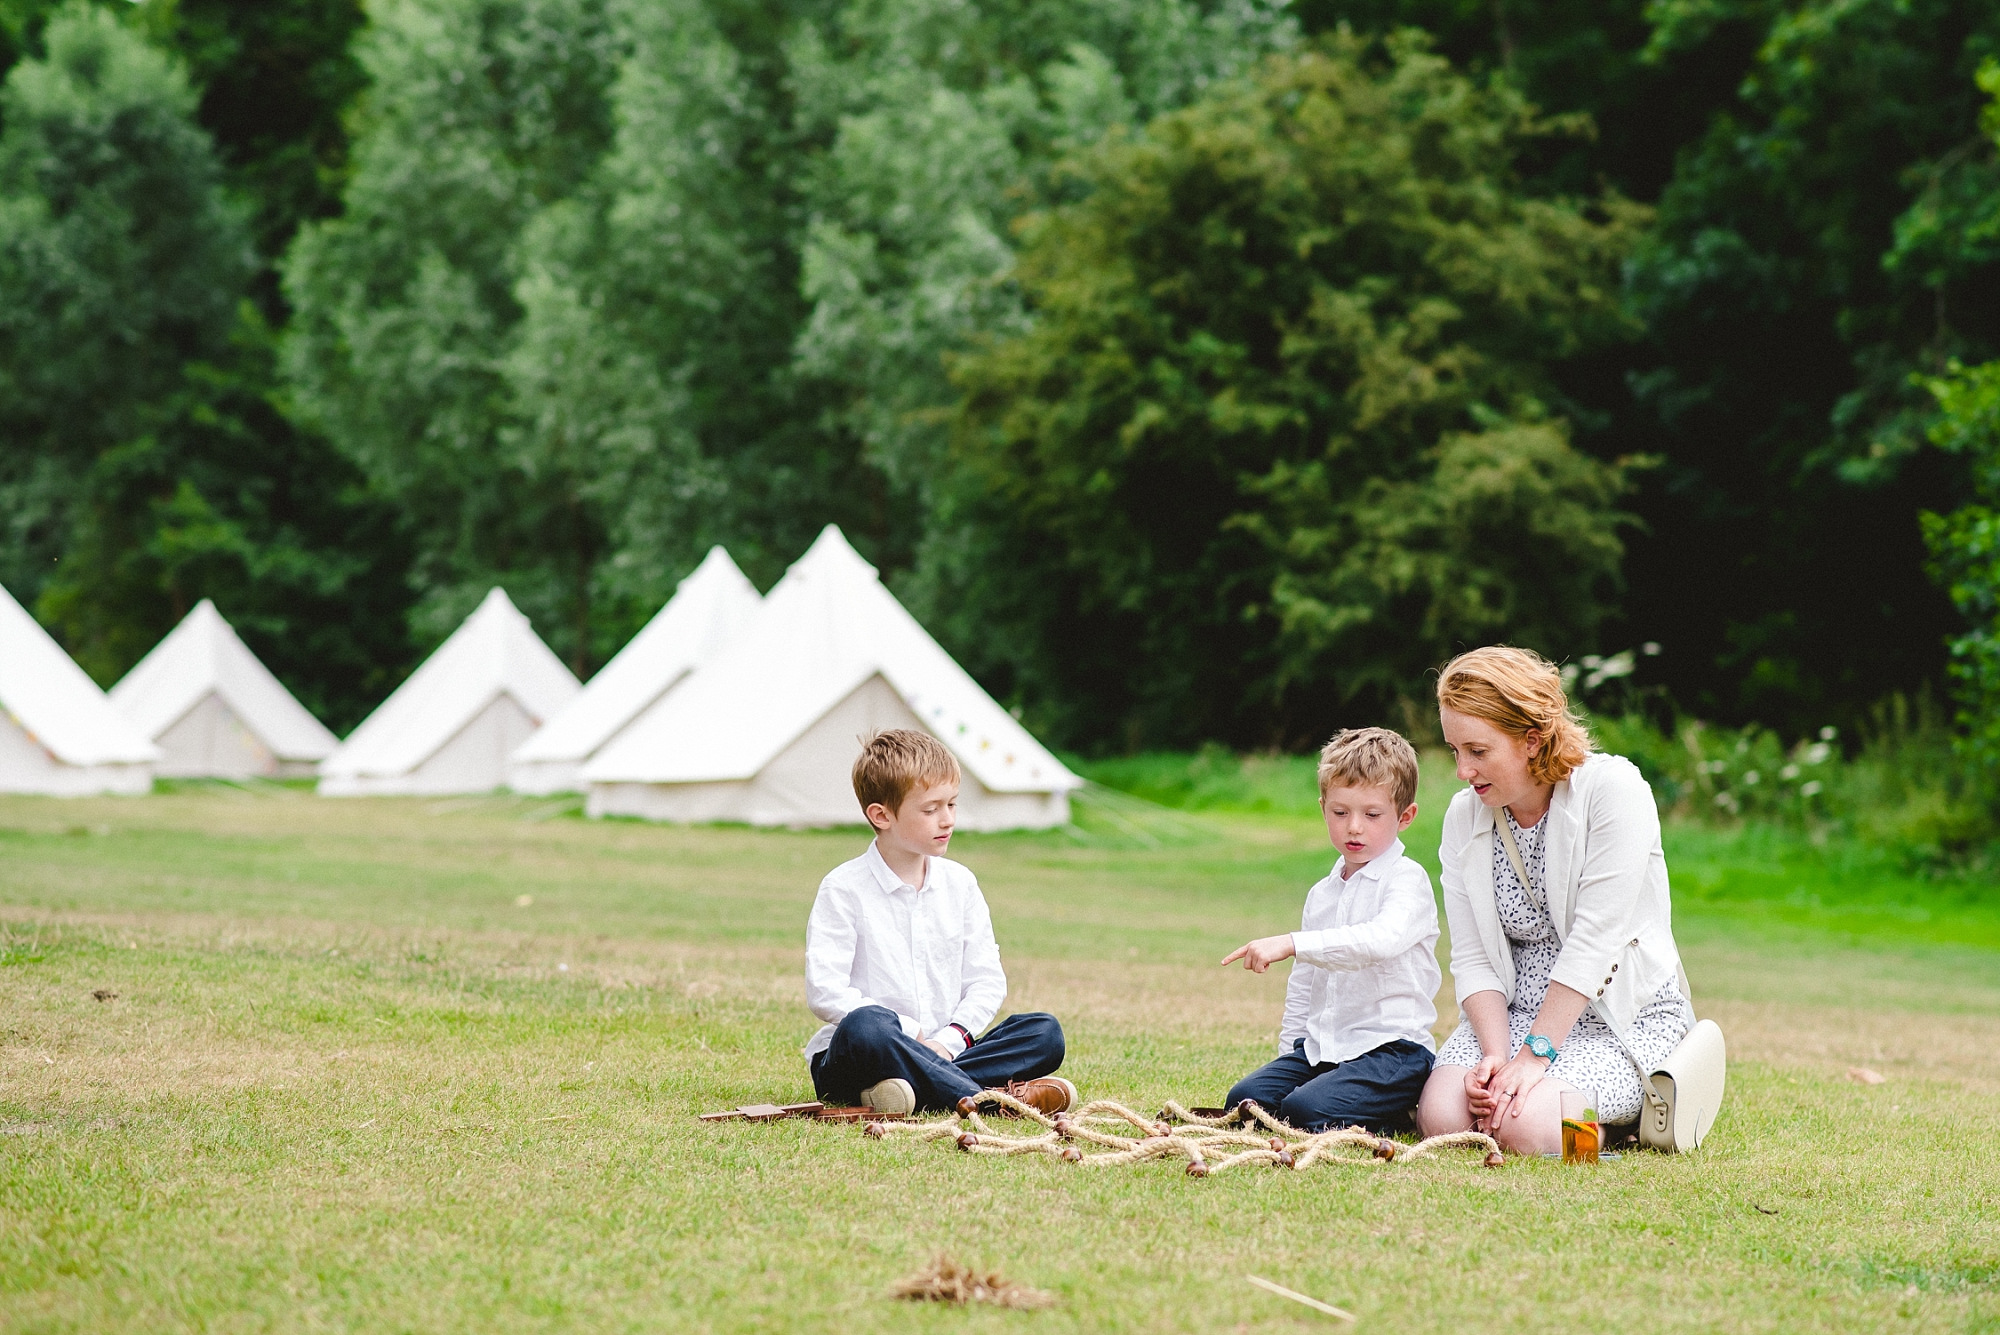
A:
x: 928, y: 954
x: 1366, y: 970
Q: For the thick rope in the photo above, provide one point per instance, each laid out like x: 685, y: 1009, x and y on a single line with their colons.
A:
x: 1209, y: 1143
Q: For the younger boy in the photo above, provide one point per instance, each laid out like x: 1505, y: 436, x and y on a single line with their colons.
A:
x: 1355, y: 1047
x: 901, y: 961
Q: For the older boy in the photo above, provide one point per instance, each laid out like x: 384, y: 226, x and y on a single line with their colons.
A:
x: 1355, y: 1047
x: 901, y: 961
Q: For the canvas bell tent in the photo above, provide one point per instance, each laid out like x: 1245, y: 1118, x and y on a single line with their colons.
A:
x: 767, y: 730
x: 452, y: 725
x: 704, y: 612
x: 215, y: 711
x: 59, y: 735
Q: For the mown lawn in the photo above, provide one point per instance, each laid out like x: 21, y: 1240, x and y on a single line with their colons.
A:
x: 406, y: 1065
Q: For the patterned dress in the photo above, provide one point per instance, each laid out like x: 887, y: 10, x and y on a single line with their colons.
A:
x: 1591, y: 1058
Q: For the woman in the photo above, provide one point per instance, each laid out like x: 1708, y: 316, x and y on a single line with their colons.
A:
x: 1566, y: 980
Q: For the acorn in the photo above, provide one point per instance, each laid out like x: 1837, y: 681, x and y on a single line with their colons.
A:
x: 1495, y: 1159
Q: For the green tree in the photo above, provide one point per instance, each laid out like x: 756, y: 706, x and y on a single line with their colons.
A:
x: 1965, y: 551
x: 1808, y: 258
x: 943, y: 124
x: 144, y: 465
x: 481, y: 115
x: 1282, y: 432
x: 120, y: 260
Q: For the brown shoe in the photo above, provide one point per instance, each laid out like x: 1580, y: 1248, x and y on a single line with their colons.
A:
x: 1048, y: 1096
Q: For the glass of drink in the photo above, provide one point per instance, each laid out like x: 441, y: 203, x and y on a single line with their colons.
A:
x: 1581, y: 1135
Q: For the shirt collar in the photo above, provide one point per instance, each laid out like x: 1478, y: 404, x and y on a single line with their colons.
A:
x: 886, y: 878
x: 1374, y: 867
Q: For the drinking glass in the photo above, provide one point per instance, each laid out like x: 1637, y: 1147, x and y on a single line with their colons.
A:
x: 1581, y: 1135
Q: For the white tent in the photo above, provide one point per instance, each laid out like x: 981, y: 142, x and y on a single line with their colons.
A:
x: 214, y: 710
x: 767, y: 730
x: 705, y: 611
x: 452, y: 725
x: 58, y: 734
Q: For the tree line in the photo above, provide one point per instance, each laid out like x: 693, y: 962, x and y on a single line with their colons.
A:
x: 1195, y: 369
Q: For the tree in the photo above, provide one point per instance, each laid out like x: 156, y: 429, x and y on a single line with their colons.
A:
x: 144, y: 465
x: 1282, y: 432
x: 1803, y: 267
x: 481, y: 116
x: 1965, y: 551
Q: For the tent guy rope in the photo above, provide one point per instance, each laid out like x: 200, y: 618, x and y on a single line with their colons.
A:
x: 1210, y: 1143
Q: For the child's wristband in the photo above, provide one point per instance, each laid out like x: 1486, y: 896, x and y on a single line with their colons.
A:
x: 963, y: 1033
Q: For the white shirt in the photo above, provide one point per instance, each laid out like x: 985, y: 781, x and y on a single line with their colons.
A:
x: 1366, y: 970
x: 928, y: 954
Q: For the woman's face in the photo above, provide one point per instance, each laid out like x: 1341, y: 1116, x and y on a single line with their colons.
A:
x: 1495, y: 763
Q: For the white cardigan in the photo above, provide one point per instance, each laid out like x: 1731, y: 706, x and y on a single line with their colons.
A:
x: 1607, y: 892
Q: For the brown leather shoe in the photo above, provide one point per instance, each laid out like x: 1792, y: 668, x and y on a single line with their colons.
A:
x: 1048, y: 1096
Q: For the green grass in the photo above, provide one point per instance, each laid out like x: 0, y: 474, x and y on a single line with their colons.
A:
x: 350, y: 1082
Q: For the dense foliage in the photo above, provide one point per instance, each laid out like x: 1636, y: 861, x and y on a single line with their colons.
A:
x: 1286, y: 388
x: 147, y: 463
x: 342, y: 319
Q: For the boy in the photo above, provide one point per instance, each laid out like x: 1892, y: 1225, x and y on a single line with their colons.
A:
x: 1355, y: 1047
x: 901, y: 961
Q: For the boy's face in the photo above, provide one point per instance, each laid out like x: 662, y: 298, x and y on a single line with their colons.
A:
x: 1363, y: 822
x: 923, y: 823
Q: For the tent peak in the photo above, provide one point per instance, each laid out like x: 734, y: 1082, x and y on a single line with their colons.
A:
x: 832, y: 554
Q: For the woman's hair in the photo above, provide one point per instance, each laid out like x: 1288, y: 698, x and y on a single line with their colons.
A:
x: 1518, y: 691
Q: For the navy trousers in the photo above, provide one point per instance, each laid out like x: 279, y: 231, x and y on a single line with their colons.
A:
x: 870, y: 1046
x: 1376, y: 1090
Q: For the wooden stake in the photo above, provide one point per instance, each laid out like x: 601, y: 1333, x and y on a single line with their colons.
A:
x: 1313, y: 1303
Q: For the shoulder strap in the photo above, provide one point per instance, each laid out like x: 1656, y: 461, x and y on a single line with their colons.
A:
x: 1505, y: 829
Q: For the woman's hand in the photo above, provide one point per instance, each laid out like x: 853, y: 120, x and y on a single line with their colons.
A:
x: 1479, y: 1089
x: 1512, y: 1082
x: 1262, y: 953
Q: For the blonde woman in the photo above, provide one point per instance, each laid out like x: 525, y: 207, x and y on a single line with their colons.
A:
x: 1564, y: 980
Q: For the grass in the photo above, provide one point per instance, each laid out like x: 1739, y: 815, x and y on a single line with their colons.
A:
x: 351, y: 1081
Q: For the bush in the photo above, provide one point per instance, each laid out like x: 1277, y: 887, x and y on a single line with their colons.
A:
x: 1902, y: 786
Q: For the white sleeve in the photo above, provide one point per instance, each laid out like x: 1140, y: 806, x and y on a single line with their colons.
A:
x: 830, y: 940
x: 983, y: 983
x: 1622, y: 829
x: 1407, y: 919
x: 1298, y: 1007
x: 1471, y: 970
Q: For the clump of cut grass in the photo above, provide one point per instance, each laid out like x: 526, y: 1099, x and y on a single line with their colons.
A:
x: 945, y: 1280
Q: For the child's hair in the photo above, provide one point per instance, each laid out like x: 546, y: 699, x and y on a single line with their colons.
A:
x: 1518, y: 691
x: 1370, y: 758
x: 897, y: 760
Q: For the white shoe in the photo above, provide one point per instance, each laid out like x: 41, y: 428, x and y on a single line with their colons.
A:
x: 891, y: 1098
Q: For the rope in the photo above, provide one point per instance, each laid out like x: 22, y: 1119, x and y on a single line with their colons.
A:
x: 1210, y: 1143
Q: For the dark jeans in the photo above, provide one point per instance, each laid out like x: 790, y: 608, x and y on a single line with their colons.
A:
x: 1376, y: 1090
x: 870, y: 1046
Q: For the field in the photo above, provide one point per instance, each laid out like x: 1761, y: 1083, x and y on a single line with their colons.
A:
x: 429, y: 1066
